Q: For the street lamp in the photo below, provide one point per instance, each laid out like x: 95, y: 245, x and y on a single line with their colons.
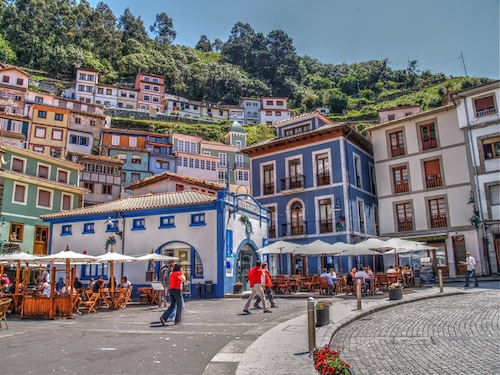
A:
x: 114, y: 223
x: 3, y: 224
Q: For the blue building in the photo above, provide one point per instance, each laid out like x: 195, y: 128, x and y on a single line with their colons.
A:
x: 317, y: 179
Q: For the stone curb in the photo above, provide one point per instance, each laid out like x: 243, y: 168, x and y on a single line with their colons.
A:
x: 327, y: 337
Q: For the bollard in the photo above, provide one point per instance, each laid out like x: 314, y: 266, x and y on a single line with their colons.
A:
x: 440, y: 273
x: 311, y: 324
x: 358, y: 292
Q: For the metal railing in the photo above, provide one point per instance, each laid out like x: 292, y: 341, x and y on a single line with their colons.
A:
x: 326, y: 226
x: 323, y: 179
x: 401, y: 187
x: 429, y: 143
x: 434, y: 180
x: 294, y: 182
x: 439, y: 221
x: 294, y: 228
x: 405, y: 225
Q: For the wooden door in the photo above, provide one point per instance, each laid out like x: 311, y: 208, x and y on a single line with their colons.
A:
x: 40, y: 246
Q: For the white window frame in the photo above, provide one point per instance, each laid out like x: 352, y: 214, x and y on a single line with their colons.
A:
x: 25, y: 199
x: 39, y: 130
x: 64, y: 171
x: 49, y: 171
x: 132, y: 142
x: 51, y: 200
x: 57, y: 132
x: 70, y: 201
x: 115, y: 140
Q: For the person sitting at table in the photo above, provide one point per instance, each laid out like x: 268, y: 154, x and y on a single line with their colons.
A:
x: 3, y: 287
x: 331, y: 285
x: 391, y: 270
x: 44, y: 288
x: 97, y: 285
x: 77, y: 284
x: 351, y: 275
x: 114, y: 283
x: 60, y: 284
x: 125, y: 283
x: 333, y: 275
x: 361, y: 273
x: 6, y: 279
x: 369, y: 272
x: 407, y: 275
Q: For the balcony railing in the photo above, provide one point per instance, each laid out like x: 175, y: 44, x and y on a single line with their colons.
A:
x: 272, y: 231
x: 294, y: 229
x: 241, y: 165
x: 401, y: 187
x: 323, y: 179
x: 405, y: 225
x: 434, y: 180
x: 438, y: 221
x: 397, y: 150
x: 268, y: 188
x: 294, y: 182
x: 326, y: 226
x: 429, y: 143
x: 486, y: 112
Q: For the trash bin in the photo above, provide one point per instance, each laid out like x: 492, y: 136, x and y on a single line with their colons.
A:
x: 208, y: 287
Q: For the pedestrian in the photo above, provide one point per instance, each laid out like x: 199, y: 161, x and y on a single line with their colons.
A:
x: 471, y: 270
x: 174, y: 290
x: 267, y: 283
x: 255, y: 279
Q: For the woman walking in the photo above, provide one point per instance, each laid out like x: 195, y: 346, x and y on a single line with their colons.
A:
x: 174, y: 290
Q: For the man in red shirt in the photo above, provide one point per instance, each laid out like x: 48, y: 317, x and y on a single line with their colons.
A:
x: 255, y: 278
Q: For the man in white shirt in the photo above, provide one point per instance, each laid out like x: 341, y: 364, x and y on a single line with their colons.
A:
x: 361, y: 273
x: 471, y: 270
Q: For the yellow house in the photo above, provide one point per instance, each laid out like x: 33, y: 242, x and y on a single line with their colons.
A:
x: 49, y: 130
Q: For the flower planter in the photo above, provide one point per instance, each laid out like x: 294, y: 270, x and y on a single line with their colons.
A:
x: 396, y: 293
x: 322, y: 317
x: 237, y: 289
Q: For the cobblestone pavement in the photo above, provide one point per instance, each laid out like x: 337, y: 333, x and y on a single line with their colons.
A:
x: 447, y: 335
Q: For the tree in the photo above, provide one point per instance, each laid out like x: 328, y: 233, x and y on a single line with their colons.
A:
x: 204, y: 44
x: 163, y: 28
x: 132, y: 27
x: 7, y: 54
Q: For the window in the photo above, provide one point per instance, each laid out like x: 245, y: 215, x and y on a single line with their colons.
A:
x: 297, y: 224
x: 92, y: 122
x: 146, y: 79
x: 491, y: 148
x: 156, y: 89
x: 432, y: 174
x: 115, y: 140
x: 147, y: 87
x: 397, y: 143
x: 155, y: 80
x: 494, y: 195
x: 322, y: 169
x: 122, y: 157
x: 437, y: 210
x: 391, y: 117
x: 135, y: 177
x: 373, y: 180
x: 485, y: 106
x: 325, y: 215
x: 57, y: 134
x: 78, y: 120
x: 66, y: 230
x: 89, y: 186
x: 160, y: 164
x: 146, y: 98
x: 269, y: 102
x: 272, y: 221
x: 107, y: 189
x: 136, y: 159
x: 191, y: 163
x: 198, y: 219
x: 167, y: 221
x: 20, y: 192
x: 279, y: 103
x: 78, y: 140
x: 376, y: 220
x: 39, y: 132
x: 138, y: 224
x: 100, y: 90
x: 88, y: 228
x: 63, y: 176
x: 81, y: 88
x: 361, y: 216
x: 90, y: 77
x: 297, y: 130
x: 5, y: 79
x: 42, y: 114
x: 132, y: 142
x: 44, y: 199
x: 18, y: 165
x: 404, y: 217
x: 16, y: 232
x: 222, y: 159
x: 428, y: 136
x: 269, y: 113
x: 400, y: 178
x: 108, y: 92
x: 38, y: 99
x: 268, y: 187
x: 357, y: 170
x: 58, y: 116
x: 66, y: 202
x: 43, y: 171
x: 16, y: 126
x: 241, y: 175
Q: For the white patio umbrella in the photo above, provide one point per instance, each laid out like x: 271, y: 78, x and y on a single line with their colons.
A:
x: 155, y: 257
x: 315, y: 248
x: 112, y: 257
x: 17, y: 257
x: 280, y: 247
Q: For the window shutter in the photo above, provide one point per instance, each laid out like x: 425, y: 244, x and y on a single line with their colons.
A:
x: 19, y: 193
x: 495, y: 194
x: 484, y: 103
x: 432, y: 168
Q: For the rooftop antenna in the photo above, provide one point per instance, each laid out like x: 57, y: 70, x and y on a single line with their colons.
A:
x: 463, y: 62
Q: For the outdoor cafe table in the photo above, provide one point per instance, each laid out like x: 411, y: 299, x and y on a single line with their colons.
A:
x: 113, y: 299
x: 149, y: 295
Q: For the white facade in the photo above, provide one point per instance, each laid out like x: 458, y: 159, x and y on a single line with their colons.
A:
x: 86, y: 82
x: 423, y: 184
x: 479, y: 118
x: 106, y: 95
x: 79, y: 141
x: 390, y: 114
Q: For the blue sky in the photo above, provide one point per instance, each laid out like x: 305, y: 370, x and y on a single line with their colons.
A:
x: 433, y: 32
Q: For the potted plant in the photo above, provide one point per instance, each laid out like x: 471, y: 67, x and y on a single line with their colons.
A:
x: 395, y: 291
x: 237, y: 287
x: 323, y: 312
x: 327, y: 361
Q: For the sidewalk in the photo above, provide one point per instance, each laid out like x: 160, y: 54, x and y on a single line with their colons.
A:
x: 283, y: 350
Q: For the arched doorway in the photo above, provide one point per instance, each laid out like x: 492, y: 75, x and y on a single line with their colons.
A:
x: 246, y: 260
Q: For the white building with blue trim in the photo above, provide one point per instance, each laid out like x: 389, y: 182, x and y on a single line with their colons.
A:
x: 209, y: 234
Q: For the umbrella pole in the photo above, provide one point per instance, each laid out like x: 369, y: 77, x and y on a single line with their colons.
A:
x: 281, y: 261
x: 1, y: 269
x: 18, y: 271
x: 67, y: 274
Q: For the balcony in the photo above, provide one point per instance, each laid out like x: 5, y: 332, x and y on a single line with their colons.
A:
x: 397, y: 150
x: 323, y: 178
x: 326, y: 226
x: 294, y: 229
x: 486, y: 112
x: 268, y: 189
x: 433, y: 180
x: 429, y: 143
x: 405, y: 225
x: 438, y: 221
x: 241, y: 165
x: 294, y: 182
x: 401, y: 187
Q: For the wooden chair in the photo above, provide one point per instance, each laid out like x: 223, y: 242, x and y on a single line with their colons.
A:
x: 4, y: 306
x: 382, y: 281
x: 347, y: 288
x: 90, y: 305
x: 282, y: 285
x: 306, y: 283
x: 315, y: 283
x: 126, y: 298
x: 324, y: 287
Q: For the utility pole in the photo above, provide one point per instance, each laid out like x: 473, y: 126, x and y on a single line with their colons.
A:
x: 463, y: 62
